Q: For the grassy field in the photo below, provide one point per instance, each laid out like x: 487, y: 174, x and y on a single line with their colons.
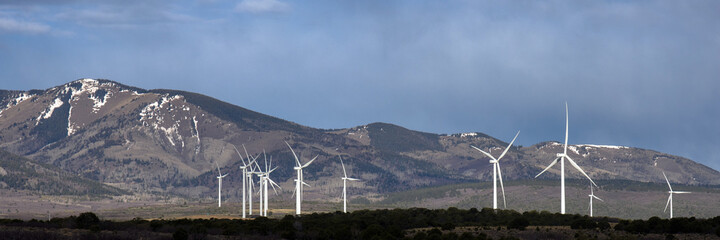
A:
x: 623, y: 199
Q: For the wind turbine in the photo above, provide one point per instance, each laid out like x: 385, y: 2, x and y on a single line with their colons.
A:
x: 299, y: 181
x: 219, y: 177
x: 669, y: 202
x: 249, y: 177
x: 562, y: 156
x: 244, y: 177
x: 592, y: 195
x: 345, y: 179
x: 260, y: 173
x: 497, y: 172
x: 267, y: 181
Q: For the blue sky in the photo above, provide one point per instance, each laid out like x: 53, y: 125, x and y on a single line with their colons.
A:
x: 635, y: 73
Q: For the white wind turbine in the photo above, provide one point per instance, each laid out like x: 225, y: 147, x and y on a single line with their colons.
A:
x: 250, y: 180
x: 219, y: 177
x: 669, y: 202
x: 299, y: 181
x: 260, y: 173
x: 267, y: 181
x: 244, y: 177
x: 496, y: 171
x: 592, y: 195
x: 562, y: 156
x: 345, y: 178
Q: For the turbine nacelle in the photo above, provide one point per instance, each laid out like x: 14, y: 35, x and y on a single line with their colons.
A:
x: 561, y: 155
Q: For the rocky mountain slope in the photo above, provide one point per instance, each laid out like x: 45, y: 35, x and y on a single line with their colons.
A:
x: 167, y: 142
x: 20, y: 173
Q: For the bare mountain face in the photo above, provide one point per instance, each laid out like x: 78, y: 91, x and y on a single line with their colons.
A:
x: 167, y: 142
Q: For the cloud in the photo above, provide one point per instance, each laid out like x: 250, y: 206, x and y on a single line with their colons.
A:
x: 125, y: 16
x: 12, y: 25
x: 262, y: 6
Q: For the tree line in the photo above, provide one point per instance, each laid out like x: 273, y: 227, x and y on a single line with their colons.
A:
x: 362, y: 224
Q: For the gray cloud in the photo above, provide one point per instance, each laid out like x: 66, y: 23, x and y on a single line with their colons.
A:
x: 262, y: 6
x: 640, y: 74
x: 13, y: 25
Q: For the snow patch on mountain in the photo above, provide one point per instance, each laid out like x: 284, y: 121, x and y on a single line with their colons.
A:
x: 472, y: 134
x: 99, y: 103
x: 602, y: 146
x: 154, y: 115
x: 47, y: 113
x: 22, y: 97
x: 87, y: 86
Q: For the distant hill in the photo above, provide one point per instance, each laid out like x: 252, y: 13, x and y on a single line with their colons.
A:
x: 20, y: 173
x: 167, y: 141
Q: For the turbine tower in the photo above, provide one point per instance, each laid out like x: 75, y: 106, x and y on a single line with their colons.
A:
x: 345, y: 178
x: 592, y: 195
x: 561, y: 157
x: 244, y: 178
x: 496, y: 171
x: 669, y: 202
x: 299, y: 181
x: 250, y: 181
x: 219, y: 177
x: 267, y: 181
x: 260, y: 173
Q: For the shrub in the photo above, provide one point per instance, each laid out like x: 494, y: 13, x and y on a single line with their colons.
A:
x: 180, y: 234
x: 86, y: 219
x: 519, y: 223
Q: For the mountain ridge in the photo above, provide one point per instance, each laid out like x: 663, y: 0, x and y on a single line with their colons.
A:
x: 167, y: 142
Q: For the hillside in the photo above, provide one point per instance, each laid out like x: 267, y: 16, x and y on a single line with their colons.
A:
x: 165, y: 142
x: 19, y: 173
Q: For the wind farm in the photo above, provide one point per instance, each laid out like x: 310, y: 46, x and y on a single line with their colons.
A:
x: 226, y: 119
x: 418, y: 170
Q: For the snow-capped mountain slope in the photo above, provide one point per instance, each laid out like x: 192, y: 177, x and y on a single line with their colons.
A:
x: 167, y: 141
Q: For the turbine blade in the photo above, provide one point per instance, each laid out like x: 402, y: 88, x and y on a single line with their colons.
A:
x: 566, y: 127
x: 486, y: 154
x: 311, y: 160
x: 508, y: 147
x: 306, y: 184
x: 668, y: 202
x: 497, y: 165
x: 589, y: 205
x: 681, y: 192
x: 343, y: 166
x: 294, y: 155
x: 272, y: 184
x: 352, y: 179
x: 548, y: 167
x: 218, y: 167
x: 597, y: 198
x: 666, y: 180
x: 266, y: 163
x: 293, y: 194
x: 246, y: 152
x: 271, y: 170
x: 580, y: 169
x: 241, y: 157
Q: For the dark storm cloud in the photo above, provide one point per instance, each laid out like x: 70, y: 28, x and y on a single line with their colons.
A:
x: 639, y: 74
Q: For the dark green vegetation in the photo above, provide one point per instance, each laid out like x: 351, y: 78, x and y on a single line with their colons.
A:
x: 21, y: 173
x: 414, y: 223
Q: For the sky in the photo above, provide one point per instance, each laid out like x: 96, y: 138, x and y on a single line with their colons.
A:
x: 634, y: 73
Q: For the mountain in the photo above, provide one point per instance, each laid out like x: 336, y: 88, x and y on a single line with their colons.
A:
x: 166, y: 142
x: 20, y: 173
